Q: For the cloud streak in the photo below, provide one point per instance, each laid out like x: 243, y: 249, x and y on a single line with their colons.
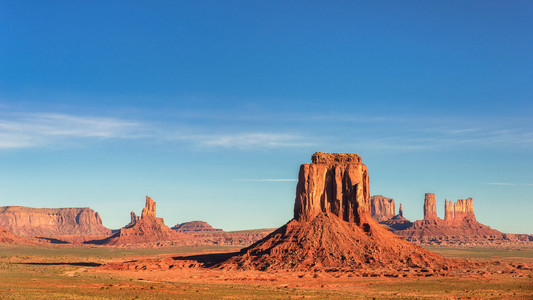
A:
x: 42, y: 129
x: 247, y: 140
x: 373, y: 133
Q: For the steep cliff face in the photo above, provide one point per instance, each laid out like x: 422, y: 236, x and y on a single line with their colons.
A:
x: 430, y: 207
x: 47, y: 222
x: 333, y: 183
x: 382, y: 208
x: 464, y: 211
x: 146, y: 229
x: 332, y: 228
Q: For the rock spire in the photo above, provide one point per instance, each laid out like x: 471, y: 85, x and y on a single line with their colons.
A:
x: 430, y: 207
x: 448, y: 211
x: 464, y: 210
x: 149, y: 208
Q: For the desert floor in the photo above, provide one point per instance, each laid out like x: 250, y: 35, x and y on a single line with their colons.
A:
x: 69, y: 272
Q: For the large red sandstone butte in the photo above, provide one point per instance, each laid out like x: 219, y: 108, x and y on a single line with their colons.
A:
x: 382, y: 208
x: 332, y: 228
x: 51, y: 222
x: 146, y: 229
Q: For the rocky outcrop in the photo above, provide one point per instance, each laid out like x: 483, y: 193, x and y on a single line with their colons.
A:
x: 195, y: 227
x: 463, y: 211
x: 332, y: 228
x: 149, y: 208
x: 430, y: 207
x: 50, y: 222
x: 146, y: 229
x: 133, y: 220
x: 459, y: 227
x: 382, y: 208
x: 448, y: 211
x: 400, y: 213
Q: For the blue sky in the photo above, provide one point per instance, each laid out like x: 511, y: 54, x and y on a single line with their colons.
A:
x: 211, y: 106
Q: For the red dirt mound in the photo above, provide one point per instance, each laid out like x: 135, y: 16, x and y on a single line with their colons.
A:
x: 327, y: 242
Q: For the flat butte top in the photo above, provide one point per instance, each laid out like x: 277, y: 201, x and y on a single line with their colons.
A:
x: 335, y: 158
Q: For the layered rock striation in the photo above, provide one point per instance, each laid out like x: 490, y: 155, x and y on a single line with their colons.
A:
x: 382, y: 208
x: 50, y: 222
x: 332, y: 227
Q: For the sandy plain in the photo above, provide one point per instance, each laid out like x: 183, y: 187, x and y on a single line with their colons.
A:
x: 77, y: 272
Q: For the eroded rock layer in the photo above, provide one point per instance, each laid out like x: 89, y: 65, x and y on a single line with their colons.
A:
x: 332, y: 227
x: 49, y: 222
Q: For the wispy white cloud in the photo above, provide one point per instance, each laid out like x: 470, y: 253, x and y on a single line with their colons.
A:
x: 508, y: 184
x: 245, y: 140
x: 27, y: 130
x: 41, y: 129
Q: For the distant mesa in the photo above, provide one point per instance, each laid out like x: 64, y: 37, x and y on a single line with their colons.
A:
x: 333, y: 229
x: 383, y: 210
x: 51, y: 222
x: 146, y: 229
x: 195, y: 227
